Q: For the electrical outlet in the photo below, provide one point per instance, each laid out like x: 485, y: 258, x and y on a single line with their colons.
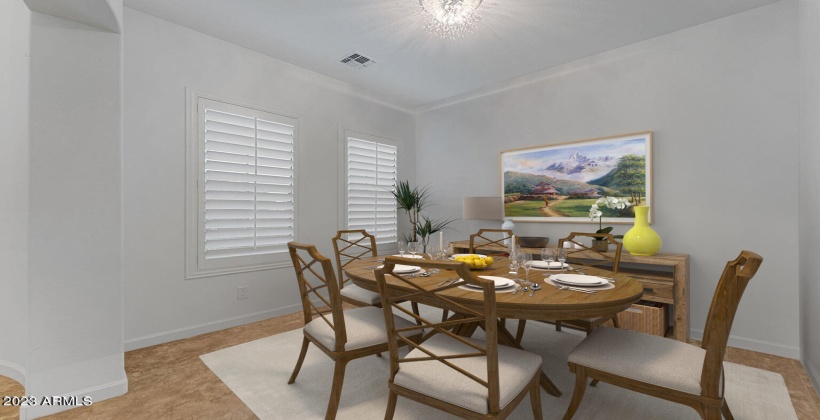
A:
x: 241, y: 292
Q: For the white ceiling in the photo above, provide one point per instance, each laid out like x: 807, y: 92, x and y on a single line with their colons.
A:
x: 515, y: 38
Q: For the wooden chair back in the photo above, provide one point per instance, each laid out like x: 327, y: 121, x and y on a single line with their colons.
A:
x: 478, y: 240
x: 580, y: 252
x: 725, y: 301
x: 394, y: 289
x: 317, y: 283
x: 349, y: 246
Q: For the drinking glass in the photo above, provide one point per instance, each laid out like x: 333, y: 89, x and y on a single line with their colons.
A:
x: 433, y: 252
x: 412, y: 248
x: 514, y: 264
x: 525, y: 260
x: 447, y: 251
x: 562, y: 257
x: 548, y: 255
x: 402, y: 248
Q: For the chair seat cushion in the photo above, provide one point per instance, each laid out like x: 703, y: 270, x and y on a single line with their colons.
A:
x: 643, y: 357
x: 433, y: 378
x: 351, y: 291
x: 365, y: 327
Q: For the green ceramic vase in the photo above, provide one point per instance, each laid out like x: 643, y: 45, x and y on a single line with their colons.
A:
x: 641, y: 239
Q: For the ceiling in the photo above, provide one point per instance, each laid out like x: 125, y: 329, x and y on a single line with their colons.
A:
x: 414, y: 68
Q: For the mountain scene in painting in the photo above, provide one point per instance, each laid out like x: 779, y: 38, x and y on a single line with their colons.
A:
x: 566, y: 181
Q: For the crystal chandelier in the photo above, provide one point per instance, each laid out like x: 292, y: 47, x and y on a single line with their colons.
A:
x: 450, y: 18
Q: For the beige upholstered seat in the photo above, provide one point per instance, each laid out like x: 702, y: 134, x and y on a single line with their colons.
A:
x: 351, y: 292
x: 434, y: 379
x: 664, y: 368
x: 342, y: 335
x: 462, y: 376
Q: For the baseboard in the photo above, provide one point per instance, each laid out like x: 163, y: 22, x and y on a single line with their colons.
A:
x: 13, y: 371
x: 96, y: 394
x: 755, y: 345
x: 187, y: 332
x: 814, y: 376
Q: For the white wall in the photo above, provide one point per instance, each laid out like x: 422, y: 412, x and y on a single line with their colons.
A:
x: 809, y: 182
x: 722, y: 100
x: 161, y: 61
x: 15, y: 21
x: 75, y: 218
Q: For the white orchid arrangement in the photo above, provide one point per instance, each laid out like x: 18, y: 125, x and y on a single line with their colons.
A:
x: 609, y: 202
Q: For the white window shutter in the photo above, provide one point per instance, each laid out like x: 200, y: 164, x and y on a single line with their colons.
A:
x: 248, y: 192
x: 371, y: 176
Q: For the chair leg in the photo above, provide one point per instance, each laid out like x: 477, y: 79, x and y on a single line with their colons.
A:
x: 727, y: 413
x: 615, y: 321
x: 305, y: 343
x: 557, y: 325
x: 444, y: 314
x: 391, y: 405
x: 336, y: 389
x: 594, y: 382
x: 535, y: 398
x: 578, y: 392
x: 519, y: 333
x: 711, y: 413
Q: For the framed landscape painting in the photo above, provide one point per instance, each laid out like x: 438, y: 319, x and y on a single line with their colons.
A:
x: 559, y: 182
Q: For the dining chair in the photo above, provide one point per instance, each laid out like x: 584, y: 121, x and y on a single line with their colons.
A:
x: 482, y: 241
x: 342, y: 335
x: 581, y: 254
x: 353, y: 245
x: 467, y: 377
x: 666, y: 368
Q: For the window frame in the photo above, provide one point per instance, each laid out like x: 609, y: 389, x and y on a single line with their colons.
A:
x: 346, y: 132
x: 196, y: 265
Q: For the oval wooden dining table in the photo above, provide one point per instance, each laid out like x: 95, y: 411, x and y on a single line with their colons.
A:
x: 549, y: 303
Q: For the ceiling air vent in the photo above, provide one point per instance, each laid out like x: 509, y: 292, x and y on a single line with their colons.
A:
x: 357, y: 61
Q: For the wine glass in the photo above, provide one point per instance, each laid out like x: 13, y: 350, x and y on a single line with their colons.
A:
x: 548, y: 255
x: 402, y: 248
x: 562, y: 257
x: 412, y: 248
x: 447, y: 251
x: 433, y: 252
x: 525, y: 260
x: 550, y: 258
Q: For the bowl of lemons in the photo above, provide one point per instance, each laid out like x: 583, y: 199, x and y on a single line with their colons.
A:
x: 474, y: 261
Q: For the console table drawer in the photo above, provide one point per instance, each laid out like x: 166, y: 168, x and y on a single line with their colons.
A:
x: 657, y: 291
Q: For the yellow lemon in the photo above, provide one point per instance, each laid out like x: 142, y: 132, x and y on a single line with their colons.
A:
x: 489, y: 260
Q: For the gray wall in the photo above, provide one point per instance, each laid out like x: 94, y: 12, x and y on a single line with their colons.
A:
x: 15, y: 24
x: 810, y: 185
x: 161, y: 61
x: 722, y: 100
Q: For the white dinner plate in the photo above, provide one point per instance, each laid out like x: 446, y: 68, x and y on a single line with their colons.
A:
x: 404, y: 269
x: 407, y: 256
x: 500, y: 282
x: 545, y: 265
x: 578, y: 280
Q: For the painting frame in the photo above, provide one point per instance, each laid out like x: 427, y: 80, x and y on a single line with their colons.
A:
x: 581, y: 171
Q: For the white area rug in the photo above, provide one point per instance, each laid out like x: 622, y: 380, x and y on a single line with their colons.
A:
x: 258, y: 372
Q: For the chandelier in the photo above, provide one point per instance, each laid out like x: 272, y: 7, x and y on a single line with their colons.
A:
x: 450, y: 18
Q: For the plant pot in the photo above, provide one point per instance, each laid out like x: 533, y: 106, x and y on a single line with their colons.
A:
x: 642, y: 239
x: 600, y: 245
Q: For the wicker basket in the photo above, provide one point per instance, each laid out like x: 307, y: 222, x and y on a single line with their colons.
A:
x: 646, y: 317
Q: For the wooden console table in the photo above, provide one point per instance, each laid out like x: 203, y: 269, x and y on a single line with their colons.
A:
x: 665, y: 279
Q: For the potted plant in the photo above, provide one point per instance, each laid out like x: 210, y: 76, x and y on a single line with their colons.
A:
x: 600, y: 243
x: 413, y: 200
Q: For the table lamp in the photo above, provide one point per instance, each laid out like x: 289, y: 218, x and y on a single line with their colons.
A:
x: 482, y: 208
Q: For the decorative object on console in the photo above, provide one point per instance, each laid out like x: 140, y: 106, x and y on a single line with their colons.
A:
x: 600, y: 243
x: 642, y: 239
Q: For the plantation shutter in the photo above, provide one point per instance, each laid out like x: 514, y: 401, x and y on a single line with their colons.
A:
x: 371, y: 178
x: 249, y: 200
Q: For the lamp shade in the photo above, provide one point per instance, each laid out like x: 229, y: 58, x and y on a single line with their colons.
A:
x: 482, y: 208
